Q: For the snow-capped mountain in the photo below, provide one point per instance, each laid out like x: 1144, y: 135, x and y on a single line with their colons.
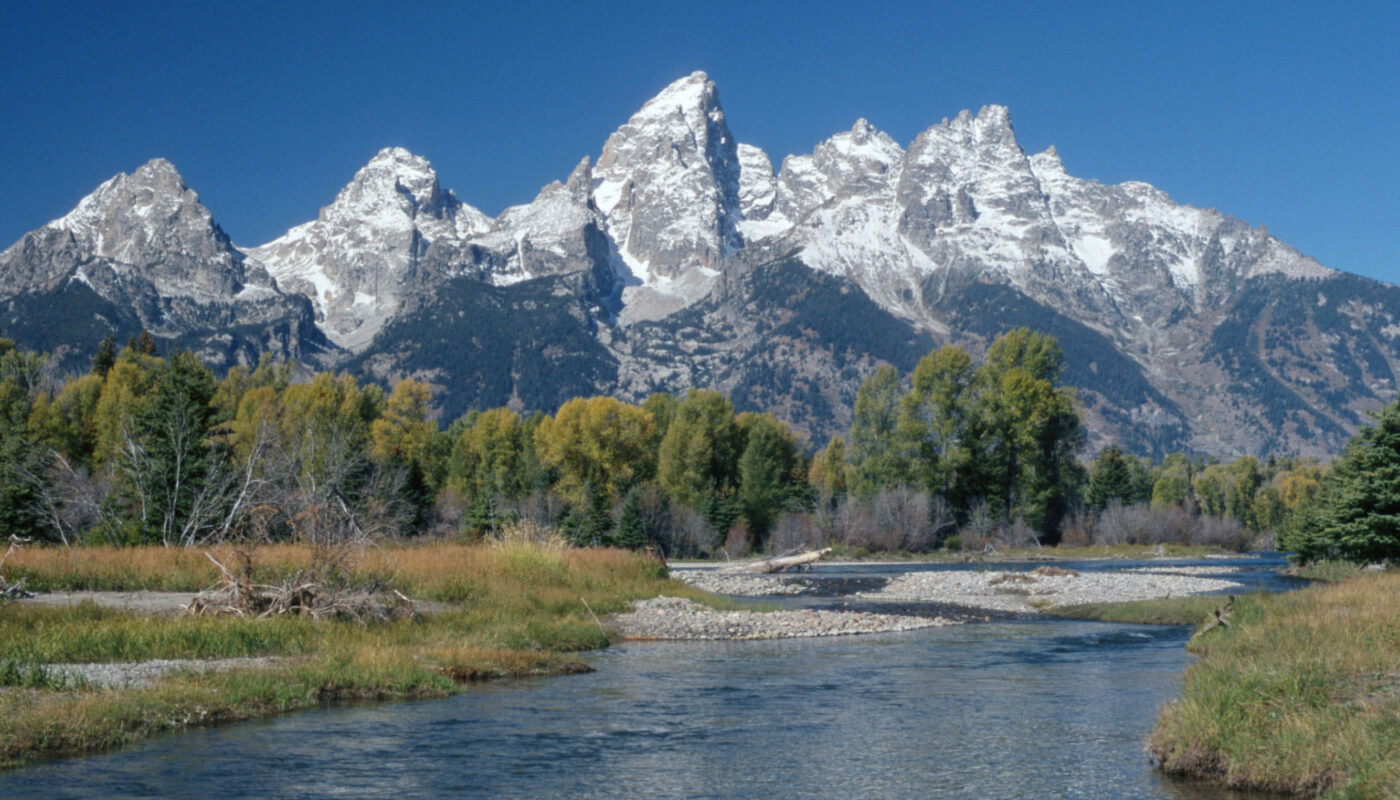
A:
x: 364, y: 251
x: 678, y: 257
x: 141, y: 252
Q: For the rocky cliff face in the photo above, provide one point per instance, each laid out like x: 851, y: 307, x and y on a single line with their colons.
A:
x: 680, y: 258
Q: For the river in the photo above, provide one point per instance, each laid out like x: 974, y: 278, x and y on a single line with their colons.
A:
x: 1037, y: 708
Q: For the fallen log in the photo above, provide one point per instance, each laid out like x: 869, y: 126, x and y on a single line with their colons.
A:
x: 1222, y: 616
x: 781, y: 563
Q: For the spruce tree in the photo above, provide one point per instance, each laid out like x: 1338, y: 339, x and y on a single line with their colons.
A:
x: 1110, y: 479
x: 631, y: 530
x: 1358, y: 513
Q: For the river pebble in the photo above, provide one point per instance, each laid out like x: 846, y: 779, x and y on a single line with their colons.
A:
x: 679, y: 618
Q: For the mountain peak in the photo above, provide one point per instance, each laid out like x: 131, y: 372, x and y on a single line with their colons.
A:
x: 668, y: 184
x: 394, y: 174
x: 159, y: 172
x: 155, y: 191
x: 1047, y: 162
x: 689, y: 95
x: 862, y: 130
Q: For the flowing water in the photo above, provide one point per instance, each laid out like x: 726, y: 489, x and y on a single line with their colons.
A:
x: 1014, y: 709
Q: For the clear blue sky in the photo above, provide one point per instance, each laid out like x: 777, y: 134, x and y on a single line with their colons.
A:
x: 1283, y: 114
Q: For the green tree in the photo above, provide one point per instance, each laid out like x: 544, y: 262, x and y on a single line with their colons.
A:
x: 699, y: 457
x: 767, y: 473
x: 488, y: 455
x: 1173, y: 486
x: 1357, y: 515
x: 1026, y: 432
x: 877, y: 459
x: 1244, y: 481
x: 631, y: 528
x: 166, y: 456
x: 934, y: 418
x: 1110, y: 479
x: 597, y: 445
x: 1211, y: 487
x: 23, y: 457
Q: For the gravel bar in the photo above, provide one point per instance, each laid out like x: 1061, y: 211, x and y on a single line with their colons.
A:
x: 679, y: 618
x: 1027, y: 593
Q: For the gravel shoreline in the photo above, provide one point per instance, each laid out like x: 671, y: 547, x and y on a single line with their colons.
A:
x: 914, y: 596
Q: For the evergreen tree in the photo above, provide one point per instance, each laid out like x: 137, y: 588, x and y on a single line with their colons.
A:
x: 105, y: 357
x: 22, y: 459
x: 1357, y: 516
x: 146, y: 344
x: 631, y: 528
x: 594, y: 521
x: 1110, y: 480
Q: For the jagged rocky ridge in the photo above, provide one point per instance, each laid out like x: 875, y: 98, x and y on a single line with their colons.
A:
x: 681, y: 258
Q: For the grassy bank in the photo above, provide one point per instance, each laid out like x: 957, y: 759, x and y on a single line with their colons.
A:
x: 514, y: 610
x: 1193, y: 610
x: 1301, y: 693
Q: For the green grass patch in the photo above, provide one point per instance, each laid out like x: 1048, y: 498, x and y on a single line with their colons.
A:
x: 1193, y: 610
x: 1326, y: 571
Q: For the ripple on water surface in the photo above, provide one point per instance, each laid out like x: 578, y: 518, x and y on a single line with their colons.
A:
x: 1024, y: 709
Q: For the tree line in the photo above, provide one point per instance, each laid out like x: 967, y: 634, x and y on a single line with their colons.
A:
x: 152, y: 449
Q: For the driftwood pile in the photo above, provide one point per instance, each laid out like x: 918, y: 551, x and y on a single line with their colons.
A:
x: 9, y: 591
x: 301, y: 595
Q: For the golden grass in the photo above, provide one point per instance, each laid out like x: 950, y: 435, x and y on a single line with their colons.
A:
x: 1300, y: 694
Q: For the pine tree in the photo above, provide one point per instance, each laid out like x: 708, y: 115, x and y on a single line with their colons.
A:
x: 21, y: 467
x: 1110, y: 479
x: 1358, y: 514
x: 631, y: 531
x: 105, y: 357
